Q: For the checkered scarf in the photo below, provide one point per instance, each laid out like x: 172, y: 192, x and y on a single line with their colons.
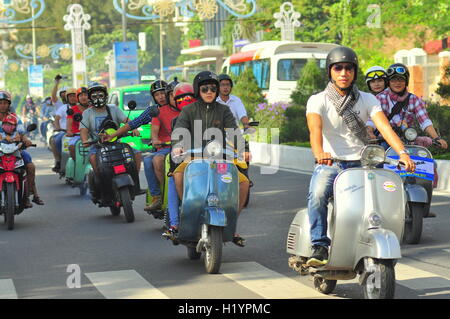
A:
x: 344, y: 107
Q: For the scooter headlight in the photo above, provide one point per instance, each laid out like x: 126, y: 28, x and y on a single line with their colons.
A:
x: 213, y: 200
x: 410, y: 134
x: 372, y: 155
x: 213, y: 149
x: 374, y: 220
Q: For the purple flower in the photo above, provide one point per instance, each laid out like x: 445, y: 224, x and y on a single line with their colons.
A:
x: 261, y: 106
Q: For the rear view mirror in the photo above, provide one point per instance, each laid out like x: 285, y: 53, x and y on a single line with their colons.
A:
x: 31, y: 127
x: 78, y: 117
x: 132, y: 105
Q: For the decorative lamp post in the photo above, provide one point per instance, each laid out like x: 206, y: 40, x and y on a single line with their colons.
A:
x: 287, y: 21
x: 77, y: 23
x: 3, y: 62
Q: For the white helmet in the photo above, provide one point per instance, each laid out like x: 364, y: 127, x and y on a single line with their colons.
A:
x: 375, y: 72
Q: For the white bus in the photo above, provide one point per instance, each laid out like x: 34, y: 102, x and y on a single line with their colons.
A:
x: 277, y: 64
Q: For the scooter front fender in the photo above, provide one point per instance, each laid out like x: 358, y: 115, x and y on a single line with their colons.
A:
x: 379, y: 243
x: 215, y: 216
x: 416, y: 193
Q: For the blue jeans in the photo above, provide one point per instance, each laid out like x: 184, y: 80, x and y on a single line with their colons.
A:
x: 58, y: 141
x: 320, y: 191
x: 152, y: 180
x: 173, y: 203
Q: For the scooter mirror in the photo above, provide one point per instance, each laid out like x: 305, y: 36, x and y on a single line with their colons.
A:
x: 31, y: 127
x: 70, y: 112
x: 132, y: 105
x: 154, y: 111
x: 253, y: 124
x: 78, y: 117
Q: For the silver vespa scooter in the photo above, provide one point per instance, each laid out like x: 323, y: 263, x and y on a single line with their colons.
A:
x: 365, y: 222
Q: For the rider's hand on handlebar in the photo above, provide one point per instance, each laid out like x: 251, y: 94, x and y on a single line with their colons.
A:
x: 69, y: 134
x: 324, y: 159
x: 443, y: 143
x: 86, y: 144
x: 177, y: 151
x: 410, y: 166
x: 28, y: 143
x: 136, y: 132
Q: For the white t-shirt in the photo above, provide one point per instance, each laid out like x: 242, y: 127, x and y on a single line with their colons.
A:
x: 62, y: 112
x: 236, y: 107
x: 338, y: 140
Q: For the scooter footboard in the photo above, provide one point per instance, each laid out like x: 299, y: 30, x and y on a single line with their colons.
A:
x: 380, y: 244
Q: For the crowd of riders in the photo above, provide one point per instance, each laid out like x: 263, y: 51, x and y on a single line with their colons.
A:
x: 212, y: 93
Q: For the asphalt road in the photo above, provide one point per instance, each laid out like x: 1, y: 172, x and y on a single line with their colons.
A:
x: 52, y: 244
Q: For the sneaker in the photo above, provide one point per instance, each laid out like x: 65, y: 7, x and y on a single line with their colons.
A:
x: 156, y: 204
x: 319, y: 256
x: 57, y: 167
x: 171, y: 233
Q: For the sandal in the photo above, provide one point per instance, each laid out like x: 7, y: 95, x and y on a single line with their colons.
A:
x: 238, y: 241
x: 37, y: 200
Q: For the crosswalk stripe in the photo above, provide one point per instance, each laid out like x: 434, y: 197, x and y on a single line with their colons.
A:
x: 267, y: 283
x: 124, y: 284
x: 7, y: 289
x: 417, y: 279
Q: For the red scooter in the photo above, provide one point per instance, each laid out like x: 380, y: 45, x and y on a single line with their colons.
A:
x: 13, y: 180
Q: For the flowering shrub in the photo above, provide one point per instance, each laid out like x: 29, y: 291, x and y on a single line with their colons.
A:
x: 270, y: 116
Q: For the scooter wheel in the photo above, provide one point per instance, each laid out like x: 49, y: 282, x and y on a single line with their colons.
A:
x: 325, y: 286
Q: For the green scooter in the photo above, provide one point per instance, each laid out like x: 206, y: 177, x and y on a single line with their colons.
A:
x: 77, y: 171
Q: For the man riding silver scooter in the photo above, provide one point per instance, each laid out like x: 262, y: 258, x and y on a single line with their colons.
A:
x: 336, y: 121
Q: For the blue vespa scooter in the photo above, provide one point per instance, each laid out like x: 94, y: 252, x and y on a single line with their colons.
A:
x: 208, y: 214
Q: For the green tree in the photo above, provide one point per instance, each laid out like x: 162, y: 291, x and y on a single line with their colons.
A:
x: 444, y: 86
x: 247, y: 89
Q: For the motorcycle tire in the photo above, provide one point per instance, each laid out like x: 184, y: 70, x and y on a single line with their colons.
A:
x: 385, y: 281
x: 413, y: 223
x: 127, y: 204
x: 115, y: 211
x: 213, y: 255
x: 84, y: 187
x: 10, y: 206
x: 324, y: 286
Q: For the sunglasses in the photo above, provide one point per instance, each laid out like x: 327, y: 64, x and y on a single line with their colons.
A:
x: 339, y: 67
x: 397, y: 69
x: 375, y: 74
x: 206, y: 88
x: 97, y: 95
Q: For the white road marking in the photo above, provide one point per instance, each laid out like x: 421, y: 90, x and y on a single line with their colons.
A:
x: 124, y: 284
x: 267, y: 283
x: 7, y: 289
x: 417, y: 279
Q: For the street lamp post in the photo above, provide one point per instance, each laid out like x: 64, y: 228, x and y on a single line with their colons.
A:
x: 124, y: 21
x: 161, y: 54
x: 77, y: 23
x: 33, y: 30
x: 3, y: 62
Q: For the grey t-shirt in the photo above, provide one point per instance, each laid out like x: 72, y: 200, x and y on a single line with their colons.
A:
x: 92, y: 119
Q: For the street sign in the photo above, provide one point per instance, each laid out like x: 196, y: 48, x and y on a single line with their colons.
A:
x: 126, y: 63
x: 36, y: 80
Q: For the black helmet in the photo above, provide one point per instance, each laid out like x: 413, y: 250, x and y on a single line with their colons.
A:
x: 169, y: 88
x: 339, y: 55
x: 96, y: 86
x: 398, y: 69
x: 158, y: 85
x: 224, y: 76
x: 203, y: 78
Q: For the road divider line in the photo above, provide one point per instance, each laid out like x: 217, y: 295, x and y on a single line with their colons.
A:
x: 267, y: 283
x: 124, y: 284
x: 417, y: 279
x: 7, y: 289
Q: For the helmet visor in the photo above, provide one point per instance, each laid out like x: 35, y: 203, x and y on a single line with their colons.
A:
x: 397, y: 69
x: 376, y: 74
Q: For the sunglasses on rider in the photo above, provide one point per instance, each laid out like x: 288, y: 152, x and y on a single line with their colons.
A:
x: 99, y: 95
x: 397, y: 69
x: 375, y: 74
x: 339, y: 67
x: 206, y: 88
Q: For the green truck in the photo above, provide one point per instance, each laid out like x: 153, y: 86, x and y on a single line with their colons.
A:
x: 120, y: 97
